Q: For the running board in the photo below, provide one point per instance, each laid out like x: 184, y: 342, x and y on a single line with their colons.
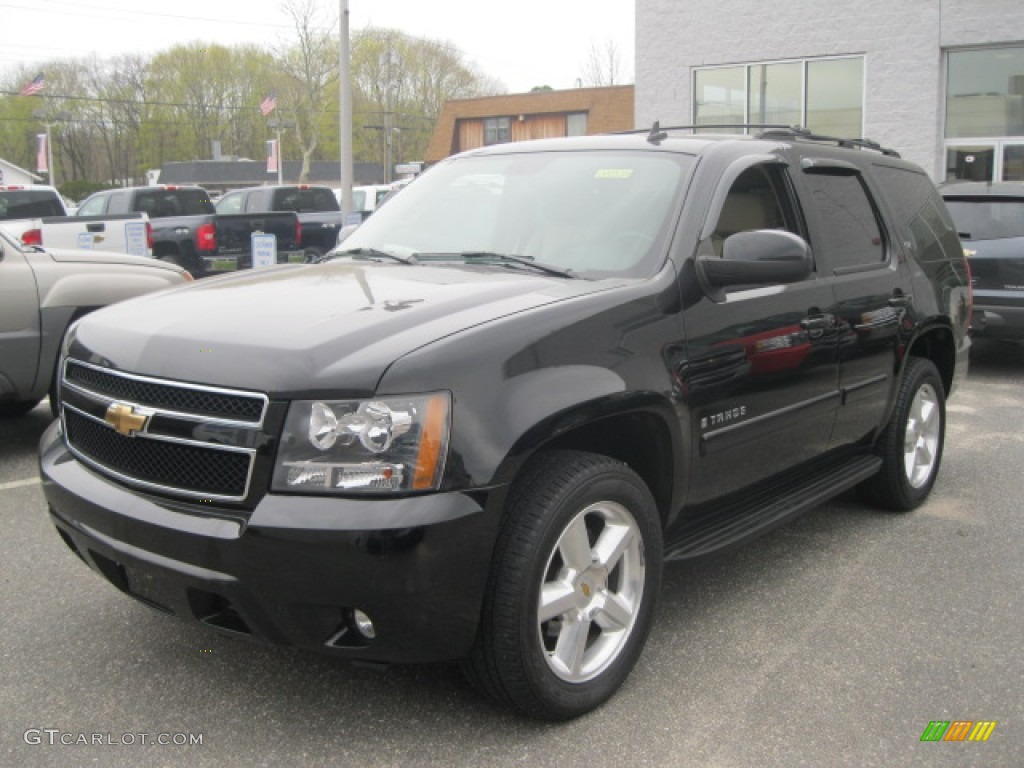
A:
x: 754, y: 514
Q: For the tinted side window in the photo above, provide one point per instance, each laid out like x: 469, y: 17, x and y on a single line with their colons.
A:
x: 849, y: 233
x: 29, y: 203
x: 921, y: 218
x: 120, y: 202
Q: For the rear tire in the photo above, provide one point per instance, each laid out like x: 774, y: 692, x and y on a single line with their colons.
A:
x: 572, y: 587
x: 911, y: 446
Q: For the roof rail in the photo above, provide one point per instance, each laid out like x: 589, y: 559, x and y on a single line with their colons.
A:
x: 808, y: 135
x: 657, y: 133
x: 657, y: 128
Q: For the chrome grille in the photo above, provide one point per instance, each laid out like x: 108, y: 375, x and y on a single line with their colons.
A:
x: 206, y: 472
x: 195, y: 441
x: 200, y: 401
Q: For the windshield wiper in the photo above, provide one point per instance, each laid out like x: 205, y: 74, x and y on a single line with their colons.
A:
x: 375, y: 253
x: 490, y: 257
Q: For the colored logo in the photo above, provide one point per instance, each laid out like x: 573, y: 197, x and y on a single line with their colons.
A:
x: 958, y: 730
x: 125, y: 418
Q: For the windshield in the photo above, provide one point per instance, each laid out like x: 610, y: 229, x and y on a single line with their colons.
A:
x: 987, y: 218
x: 595, y: 213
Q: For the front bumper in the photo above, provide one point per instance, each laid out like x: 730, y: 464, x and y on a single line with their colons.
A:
x: 294, y: 570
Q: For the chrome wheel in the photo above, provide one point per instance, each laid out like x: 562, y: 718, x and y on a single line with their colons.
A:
x: 591, y: 592
x: 922, y: 436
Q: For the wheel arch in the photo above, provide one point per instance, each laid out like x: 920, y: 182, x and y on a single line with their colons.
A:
x: 640, y: 430
x: 935, y: 342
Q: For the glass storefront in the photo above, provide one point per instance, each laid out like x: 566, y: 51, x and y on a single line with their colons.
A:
x: 984, y: 128
x: 825, y: 95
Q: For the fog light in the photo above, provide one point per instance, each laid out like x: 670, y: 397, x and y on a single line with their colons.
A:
x: 363, y: 624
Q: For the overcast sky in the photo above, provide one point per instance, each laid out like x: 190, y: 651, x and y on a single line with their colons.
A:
x: 522, y: 43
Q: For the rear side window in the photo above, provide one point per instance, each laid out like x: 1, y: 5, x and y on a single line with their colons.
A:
x: 160, y: 203
x: 921, y: 218
x: 312, y: 199
x: 29, y: 204
x: 849, y: 234
x: 985, y: 218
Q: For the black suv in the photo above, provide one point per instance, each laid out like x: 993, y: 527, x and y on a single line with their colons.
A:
x: 990, y: 220
x: 537, y: 374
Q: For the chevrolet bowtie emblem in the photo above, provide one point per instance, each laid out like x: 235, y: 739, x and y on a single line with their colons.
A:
x: 125, y: 419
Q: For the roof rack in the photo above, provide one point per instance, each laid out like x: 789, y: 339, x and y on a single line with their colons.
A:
x: 656, y: 134
x: 804, y: 133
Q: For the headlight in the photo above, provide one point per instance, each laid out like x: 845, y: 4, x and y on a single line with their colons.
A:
x: 382, y: 445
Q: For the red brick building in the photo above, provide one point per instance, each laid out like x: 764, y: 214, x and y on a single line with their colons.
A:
x: 469, y: 123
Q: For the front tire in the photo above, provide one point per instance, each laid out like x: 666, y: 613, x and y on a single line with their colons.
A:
x: 572, y: 588
x: 911, y: 446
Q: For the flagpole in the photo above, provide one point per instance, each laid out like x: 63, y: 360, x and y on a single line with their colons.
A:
x: 280, y: 157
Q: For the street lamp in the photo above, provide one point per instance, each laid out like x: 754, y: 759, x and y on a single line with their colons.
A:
x: 278, y: 125
x: 49, y: 119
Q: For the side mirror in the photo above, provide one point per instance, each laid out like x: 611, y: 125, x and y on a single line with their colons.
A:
x: 758, y: 257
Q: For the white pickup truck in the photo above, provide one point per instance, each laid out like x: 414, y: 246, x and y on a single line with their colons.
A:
x: 36, y: 215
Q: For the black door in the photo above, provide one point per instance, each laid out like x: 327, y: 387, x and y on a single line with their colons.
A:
x: 853, y: 246
x: 761, y: 370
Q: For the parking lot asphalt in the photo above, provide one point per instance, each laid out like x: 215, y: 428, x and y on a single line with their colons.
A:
x: 834, y: 641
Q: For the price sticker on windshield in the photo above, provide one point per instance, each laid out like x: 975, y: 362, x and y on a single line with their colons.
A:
x: 613, y: 173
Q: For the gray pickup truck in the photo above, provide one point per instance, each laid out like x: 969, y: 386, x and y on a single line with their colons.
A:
x: 43, y: 291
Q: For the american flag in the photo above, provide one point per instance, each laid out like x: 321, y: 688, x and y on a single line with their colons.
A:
x: 34, y: 86
x: 268, y: 105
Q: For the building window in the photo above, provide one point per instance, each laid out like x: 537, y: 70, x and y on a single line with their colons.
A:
x: 497, y: 130
x: 985, y: 93
x: 720, y: 96
x: 835, y: 97
x: 576, y: 124
x: 825, y: 95
x: 985, y: 114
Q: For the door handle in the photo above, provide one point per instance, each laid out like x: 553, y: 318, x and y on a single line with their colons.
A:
x: 816, y: 323
x: 99, y: 226
x: 900, y: 299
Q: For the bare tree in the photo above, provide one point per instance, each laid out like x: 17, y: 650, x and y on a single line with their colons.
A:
x: 309, y: 71
x: 603, y: 65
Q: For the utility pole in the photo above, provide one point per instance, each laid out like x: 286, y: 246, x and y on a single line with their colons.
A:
x: 345, y: 109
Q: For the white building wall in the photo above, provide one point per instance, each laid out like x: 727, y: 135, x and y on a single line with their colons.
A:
x: 902, y: 43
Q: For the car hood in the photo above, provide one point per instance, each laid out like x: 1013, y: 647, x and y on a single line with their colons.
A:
x: 332, y: 328
x: 75, y: 256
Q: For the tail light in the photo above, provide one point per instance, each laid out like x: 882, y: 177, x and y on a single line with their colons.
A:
x: 298, y: 232
x: 206, y: 237
x: 149, y: 235
x: 32, y: 237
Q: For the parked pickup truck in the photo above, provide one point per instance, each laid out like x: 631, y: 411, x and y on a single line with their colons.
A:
x: 317, y: 209
x: 42, y: 292
x: 188, y: 231
x: 535, y: 375
x: 37, y: 216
